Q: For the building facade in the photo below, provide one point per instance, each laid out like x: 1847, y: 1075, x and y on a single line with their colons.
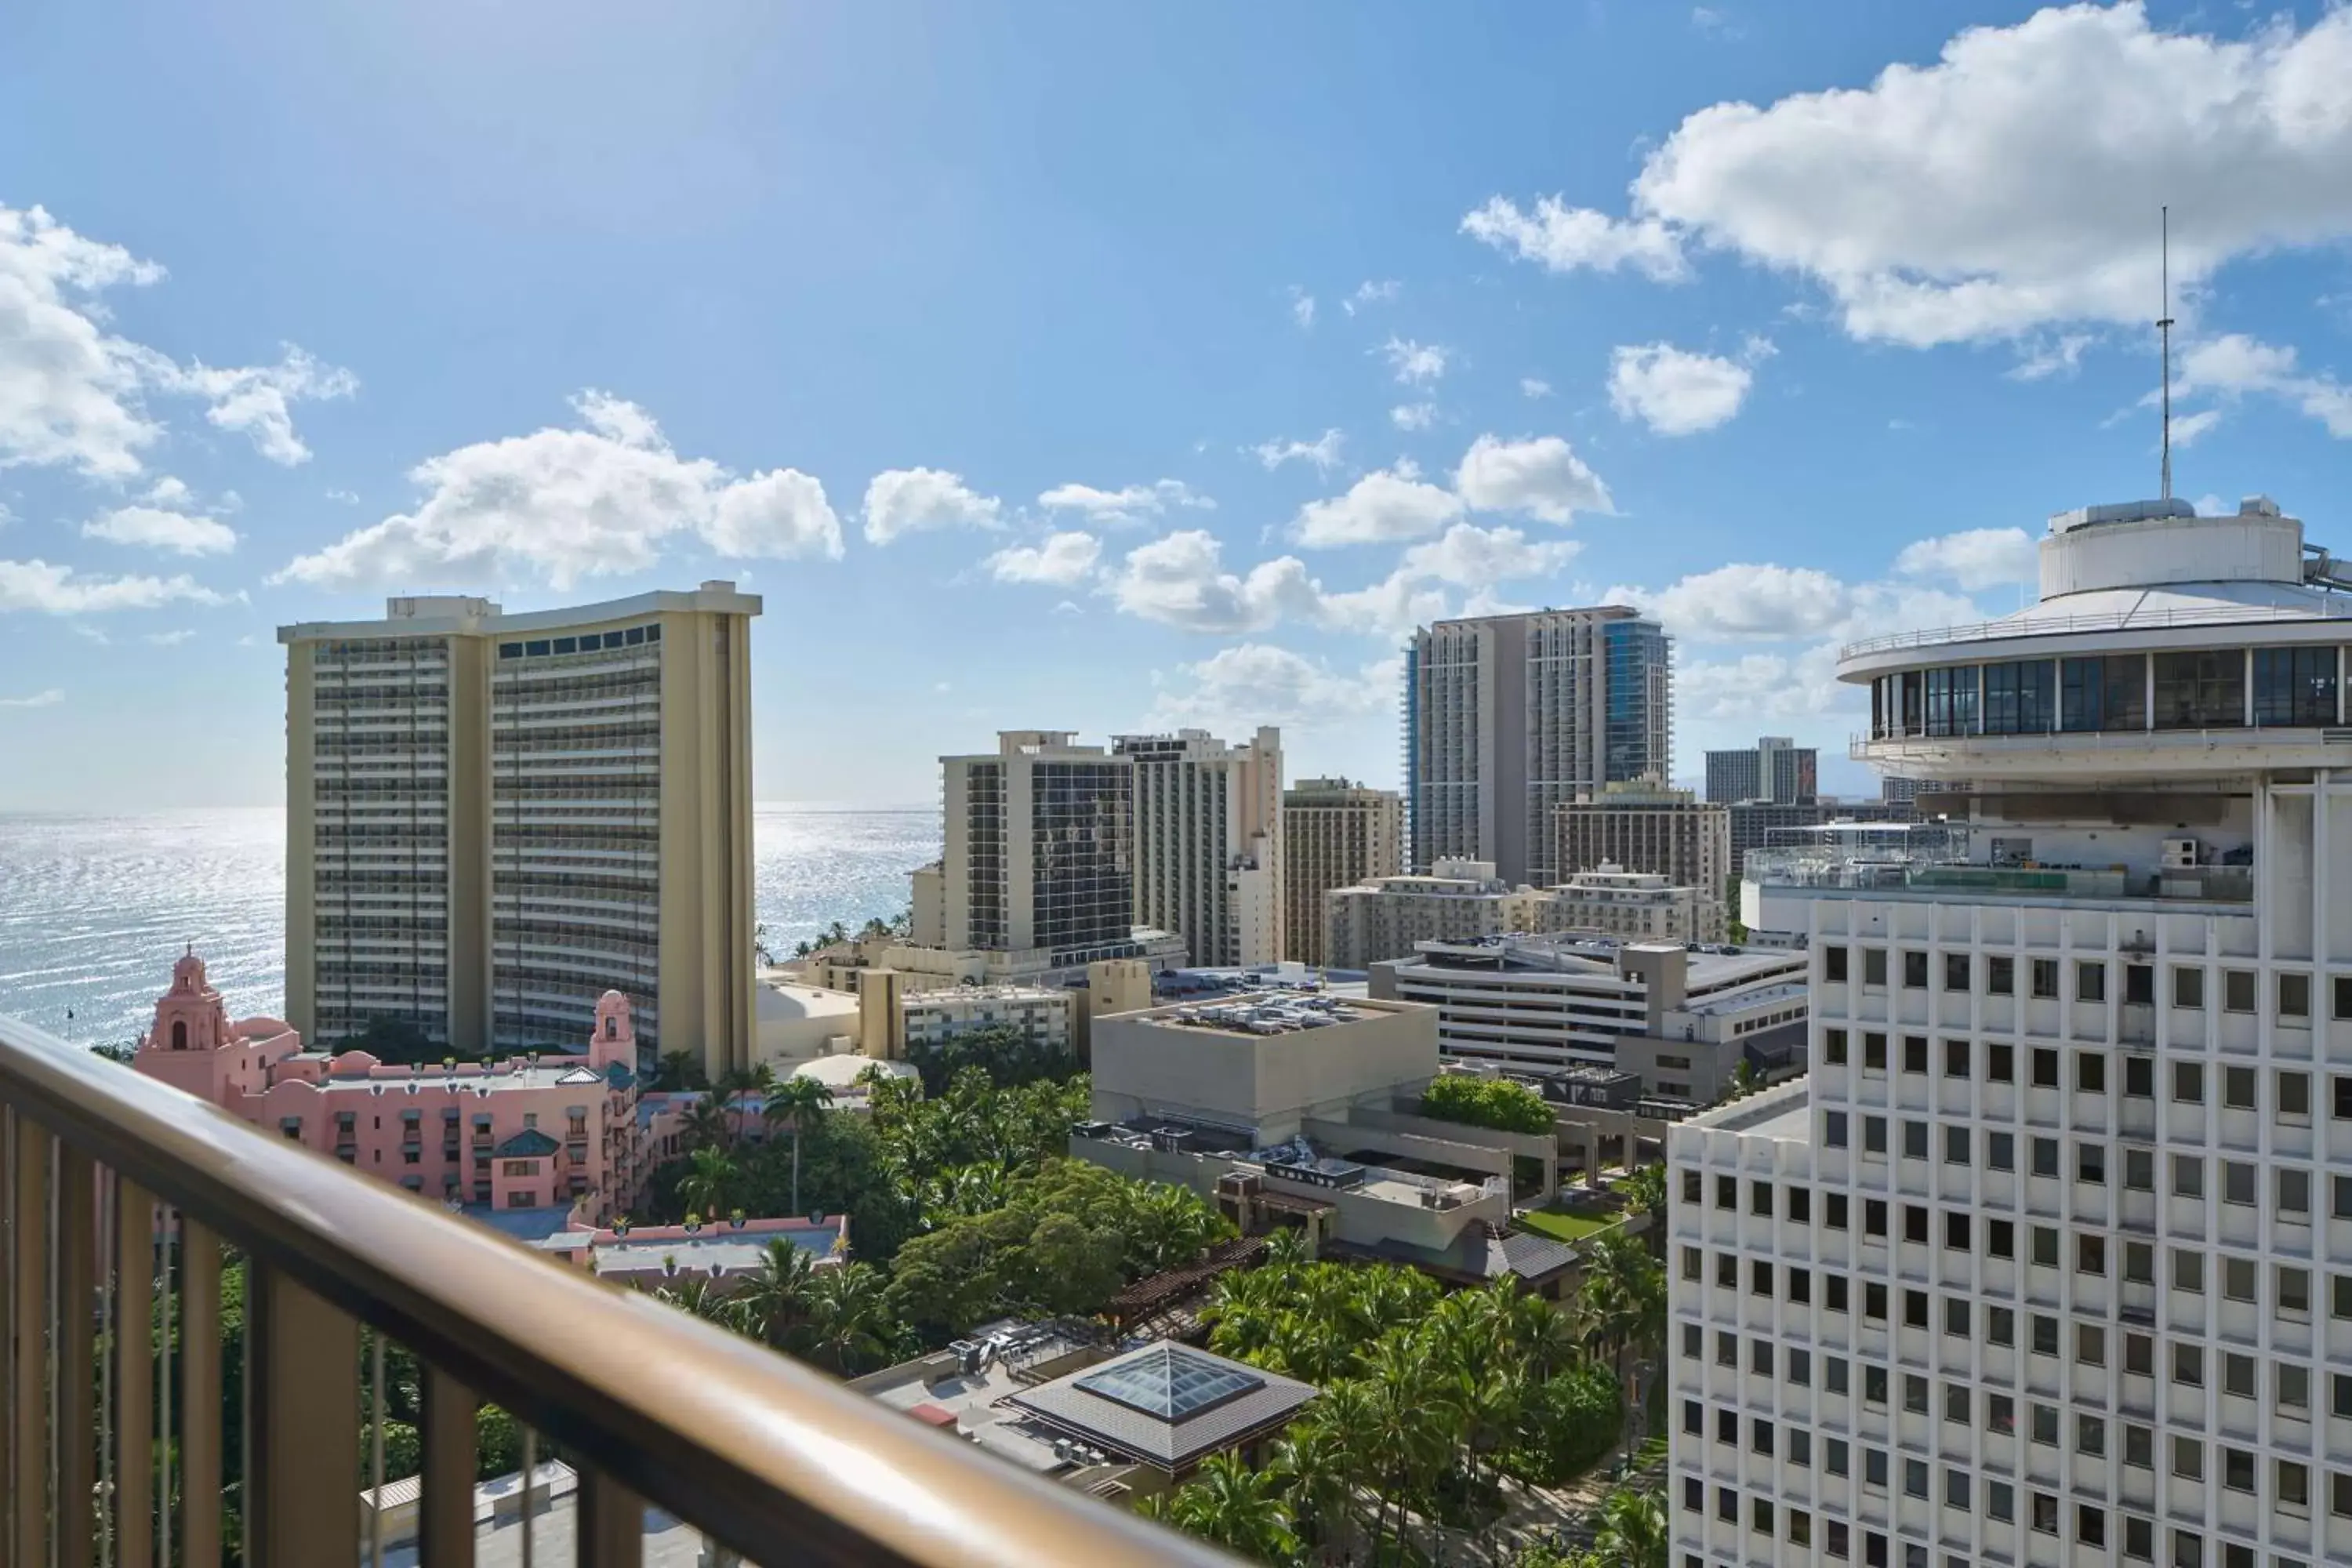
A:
x: 1778, y: 770
x: 1507, y: 717
x: 1539, y: 1003
x: 1457, y: 899
x: 1039, y: 853
x: 492, y: 819
x: 2046, y: 1260
x: 1643, y: 825
x: 546, y: 1130
x: 1208, y: 842
x: 1335, y: 834
x: 1634, y: 906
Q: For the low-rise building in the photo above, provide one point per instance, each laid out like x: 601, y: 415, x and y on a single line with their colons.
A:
x: 800, y: 1022
x: 1303, y: 1111
x: 539, y: 1130
x: 720, y: 1252
x: 1680, y: 1020
x: 1387, y: 918
x: 1634, y: 906
x: 1644, y: 825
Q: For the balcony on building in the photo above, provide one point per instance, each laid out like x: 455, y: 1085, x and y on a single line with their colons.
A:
x: 2002, y: 864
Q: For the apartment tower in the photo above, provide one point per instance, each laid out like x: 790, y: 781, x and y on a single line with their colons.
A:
x: 1777, y: 770
x: 494, y: 819
x: 1644, y: 826
x: 1335, y: 834
x: 1208, y: 842
x: 2049, y: 1259
x: 1039, y: 853
x: 1507, y: 717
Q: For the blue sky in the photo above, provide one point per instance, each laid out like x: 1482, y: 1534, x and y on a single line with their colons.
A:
x: 1002, y: 349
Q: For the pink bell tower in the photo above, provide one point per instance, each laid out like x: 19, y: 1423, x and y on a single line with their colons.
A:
x: 616, y: 1037
x: 183, y: 1049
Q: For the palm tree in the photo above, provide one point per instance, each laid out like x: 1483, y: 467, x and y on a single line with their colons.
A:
x: 705, y: 1125
x: 709, y: 1181
x: 793, y: 1103
x: 1644, y: 1187
x: 1634, y: 1529
x: 1316, y: 1462
x: 847, y: 1321
x: 694, y: 1295
x: 773, y: 1299
x: 1745, y: 1078
x: 1412, y: 1425
x: 1238, y: 1507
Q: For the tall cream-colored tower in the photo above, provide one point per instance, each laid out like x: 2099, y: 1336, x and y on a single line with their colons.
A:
x: 1335, y: 834
x: 1208, y: 842
x: 492, y: 819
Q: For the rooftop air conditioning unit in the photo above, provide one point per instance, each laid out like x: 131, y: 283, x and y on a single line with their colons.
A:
x: 2180, y: 854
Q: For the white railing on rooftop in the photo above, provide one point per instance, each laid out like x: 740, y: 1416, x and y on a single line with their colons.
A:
x: 1892, y: 868
x: 2112, y: 621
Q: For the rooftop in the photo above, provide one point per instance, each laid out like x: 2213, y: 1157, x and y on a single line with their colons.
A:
x: 1265, y: 1013
x: 1783, y: 1113
x: 1712, y: 966
x: 1166, y: 1404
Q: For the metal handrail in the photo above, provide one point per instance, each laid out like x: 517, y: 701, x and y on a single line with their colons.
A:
x: 768, y: 1456
x: 2115, y: 621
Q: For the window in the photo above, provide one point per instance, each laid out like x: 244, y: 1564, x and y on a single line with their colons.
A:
x: 1914, y: 1478
x: 2090, y: 1525
x: 2000, y: 1150
x: 1834, y: 1047
x: 1915, y: 1139
x: 2188, y: 1270
x: 2045, y: 1156
x: 1956, y: 1403
x: 2294, y: 1388
x: 2091, y: 1164
x: 1956, y: 1229
x: 1914, y: 1393
x: 2045, y: 1424
x: 2090, y: 1436
x: 1873, y: 1135
x: 2000, y: 1500
x: 2293, y: 1192
x: 2045, y: 1066
x: 2237, y: 1469
x: 2294, y: 1291
x: 1956, y: 971
x: 2021, y: 697
x: 1833, y: 965
x: 2139, y: 1447
x: 2189, y: 1365
x: 1833, y: 1211
x: 2000, y: 1325
x: 2001, y: 1238
x: 1956, y: 1143
x: 2295, y: 686
x: 1874, y: 966
x: 2238, y: 1278
x: 2342, y: 1006
x: 1800, y: 1286
x: 2090, y: 1254
x: 2090, y: 981
x: 1760, y: 1436
x: 2045, y: 979
x: 2294, y: 997
x: 1874, y: 1301
x: 2188, y: 987
x: 1914, y: 1225
x: 2001, y: 1063
x: 2238, y: 1088
x: 2238, y: 1179
x: 2139, y: 1263
x: 2045, y: 1335
x: 2045, y: 1513
x: 2188, y: 1550
x: 1760, y: 1278
x: 1694, y: 1187
x: 2139, y: 1539
x: 1915, y: 970
x: 2140, y: 1170
x: 2294, y: 1482
x: 2000, y: 1413
x: 1834, y: 1129
x: 1835, y: 1298
x: 1801, y: 1205
x: 1956, y: 1316
x: 2000, y: 977
x: 1874, y: 1216
x: 2139, y: 1354
x: 1915, y: 1313
x: 1837, y: 1374
x: 1873, y: 1052
x: 1800, y: 1367
x: 2188, y: 1083
x: 2090, y: 1072
x: 2238, y: 990
x: 1760, y: 1199
x: 2238, y: 1374
x: 1726, y: 1271
x: 2205, y: 689
x: 2108, y: 693
x: 2188, y: 1458
x: 2188, y: 1176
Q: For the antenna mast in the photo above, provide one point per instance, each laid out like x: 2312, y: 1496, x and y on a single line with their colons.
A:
x: 2164, y: 335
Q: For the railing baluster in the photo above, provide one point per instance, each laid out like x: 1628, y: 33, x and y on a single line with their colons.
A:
x: 445, y: 1517
x: 530, y: 1464
x: 76, y: 1436
x: 27, y: 1348
x: 200, y: 1394
x: 302, y: 1505
x: 166, y: 1227
x: 610, y: 1522
x: 375, y: 1450
x: 134, y: 1375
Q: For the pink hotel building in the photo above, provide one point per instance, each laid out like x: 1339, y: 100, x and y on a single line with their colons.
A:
x: 530, y: 1131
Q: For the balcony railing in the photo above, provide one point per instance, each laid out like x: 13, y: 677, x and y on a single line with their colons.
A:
x: 2114, y: 621
x: 114, y: 1187
x: 1839, y: 869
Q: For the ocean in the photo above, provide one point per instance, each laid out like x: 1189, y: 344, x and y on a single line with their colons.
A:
x: 93, y: 909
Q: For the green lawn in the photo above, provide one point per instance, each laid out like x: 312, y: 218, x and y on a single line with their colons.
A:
x: 1566, y: 1226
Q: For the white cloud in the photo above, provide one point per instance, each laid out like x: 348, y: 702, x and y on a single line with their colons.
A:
x: 257, y: 400
x: 160, y: 527
x: 1416, y: 364
x: 1370, y: 292
x: 1181, y: 581
x: 68, y: 389
x: 1323, y: 451
x: 1302, y: 307
x: 1674, y: 391
x: 1534, y: 387
x: 2059, y: 356
x: 40, y: 587
x: 2187, y: 427
x: 1385, y: 506
x: 169, y: 638
x: 346, y: 498
x: 909, y: 501
x: 1541, y: 477
x: 1974, y: 558
x: 1253, y: 683
x: 565, y: 504
x: 48, y: 698
x: 1562, y: 238
x: 1129, y: 503
x: 1472, y: 557
x: 2233, y: 364
x: 1753, y: 688
x: 1746, y: 601
x: 1715, y: 22
x: 2004, y: 187
x: 1413, y: 416
x: 1063, y: 560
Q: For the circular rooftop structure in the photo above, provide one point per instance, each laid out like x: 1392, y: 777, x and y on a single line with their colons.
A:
x: 2161, y: 641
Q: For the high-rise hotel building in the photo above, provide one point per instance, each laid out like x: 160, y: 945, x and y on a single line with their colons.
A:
x: 1039, y: 854
x: 493, y: 819
x: 1507, y: 717
x: 1208, y: 842
x: 2049, y: 1259
x: 1335, y: 835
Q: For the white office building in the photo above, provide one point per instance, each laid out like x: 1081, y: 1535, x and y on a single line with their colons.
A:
x: 2049, y: 1260
x: 1208, y: 842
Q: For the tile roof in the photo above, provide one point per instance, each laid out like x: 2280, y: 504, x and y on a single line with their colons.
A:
x: 530, y: 1144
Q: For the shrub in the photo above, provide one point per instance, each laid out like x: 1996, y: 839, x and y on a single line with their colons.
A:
x: 1495, y: 1102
